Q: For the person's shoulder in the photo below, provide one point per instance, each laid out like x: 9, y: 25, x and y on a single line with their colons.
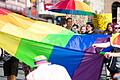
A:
x: 116, y: 49
x: 58, y: 66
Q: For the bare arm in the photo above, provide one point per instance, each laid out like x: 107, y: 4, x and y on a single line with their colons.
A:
x: 109, y: 54
x: 102, y: 45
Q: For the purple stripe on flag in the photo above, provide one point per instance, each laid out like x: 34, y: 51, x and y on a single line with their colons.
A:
x: 91, y: 65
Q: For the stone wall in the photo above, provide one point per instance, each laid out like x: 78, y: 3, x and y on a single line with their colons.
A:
x: 108, y: 5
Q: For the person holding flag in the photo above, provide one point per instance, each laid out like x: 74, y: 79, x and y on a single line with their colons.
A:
x: 47, y: 71
x: 113, y: 53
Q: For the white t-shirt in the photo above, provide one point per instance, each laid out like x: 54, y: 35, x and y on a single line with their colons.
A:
x: 48, y: 71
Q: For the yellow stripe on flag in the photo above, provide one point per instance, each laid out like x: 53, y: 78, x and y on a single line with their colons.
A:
x: 9, y: 43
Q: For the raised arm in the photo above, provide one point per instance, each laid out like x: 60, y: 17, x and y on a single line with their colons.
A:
x: 102, y: 45
x: 110, y: 54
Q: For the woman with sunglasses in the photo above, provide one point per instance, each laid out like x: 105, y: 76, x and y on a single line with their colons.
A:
x: 116, y: 28
x: 113, y: 53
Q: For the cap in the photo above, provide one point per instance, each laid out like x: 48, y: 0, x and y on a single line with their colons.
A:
x: 40, y: 58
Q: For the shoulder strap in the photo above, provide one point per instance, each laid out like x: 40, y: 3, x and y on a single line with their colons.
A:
x: 2, y: 52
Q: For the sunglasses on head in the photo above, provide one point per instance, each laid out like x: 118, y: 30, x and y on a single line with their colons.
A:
x: 117, y: 27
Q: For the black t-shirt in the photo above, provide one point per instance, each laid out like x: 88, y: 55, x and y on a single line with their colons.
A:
x: 114, y: 62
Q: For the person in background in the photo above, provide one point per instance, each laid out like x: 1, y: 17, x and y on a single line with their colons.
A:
x: 75, y: 28
x: 89, y: 28
x: 68, y: 23
x: 114, y: 53
x: 10, y: 66
x: 60, y: 20
x: 116, y: 28
x: 109, y: 29
x: 83, y: 30
x: 26, y: 69
x: 47, y: 71
x: 114, y: 21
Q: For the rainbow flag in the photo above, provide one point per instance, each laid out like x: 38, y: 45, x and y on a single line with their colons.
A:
x: 25, y: 38
x: 115, y: 40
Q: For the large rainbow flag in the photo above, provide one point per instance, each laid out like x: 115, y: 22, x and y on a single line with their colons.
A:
x: 25, y: 38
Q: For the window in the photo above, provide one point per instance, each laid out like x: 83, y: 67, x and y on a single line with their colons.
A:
x: 3, y: 0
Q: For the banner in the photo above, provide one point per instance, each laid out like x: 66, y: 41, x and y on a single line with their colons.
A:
x: 101, y: 20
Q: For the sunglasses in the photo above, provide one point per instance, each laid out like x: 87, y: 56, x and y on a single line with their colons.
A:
x: 117, y: 27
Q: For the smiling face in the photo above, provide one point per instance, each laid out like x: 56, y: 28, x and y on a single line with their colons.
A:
x: 69, y: 23
x: 117, y: 28
x: 110, y: 28
x: 83, y: 29
x: 89, y: 28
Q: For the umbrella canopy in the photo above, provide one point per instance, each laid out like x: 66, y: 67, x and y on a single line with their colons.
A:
x: 4, y: 11
x: 72, y: 7
x: 52, y: 13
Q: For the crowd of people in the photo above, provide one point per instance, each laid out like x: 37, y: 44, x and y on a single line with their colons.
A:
x: 88, y: 28
x: 111, y: 53
x: 10, y: 65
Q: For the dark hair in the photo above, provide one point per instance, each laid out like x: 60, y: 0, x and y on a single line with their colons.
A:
x: 114, y: 26
x: 91, y: 24
x: 114, y: 20
x: 68, y: 19
x: 106, y: 31
x: 108, y: 25
x: 75, y: 25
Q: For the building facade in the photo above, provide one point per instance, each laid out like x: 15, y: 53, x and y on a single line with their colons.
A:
x: 112, y: 7
x: 105, y: 6
x: 99, y: 6
x: 108, y: 5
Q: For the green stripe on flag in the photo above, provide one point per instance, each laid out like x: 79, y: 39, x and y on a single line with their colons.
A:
x: 102, y: 53
x: 58, y: 39
x: 28, y: 49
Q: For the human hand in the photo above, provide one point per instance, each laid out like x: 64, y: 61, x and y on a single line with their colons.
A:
x: 97, y: 45
x: 94, y: 45
x: 108, y: 54
x: 101, y: 45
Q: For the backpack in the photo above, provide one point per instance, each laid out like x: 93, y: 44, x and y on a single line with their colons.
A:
x: 4, y: 56
x: 111, y: 65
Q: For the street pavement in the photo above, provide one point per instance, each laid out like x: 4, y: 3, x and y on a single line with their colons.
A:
x: 21, y: 73
x: 19, y: 77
